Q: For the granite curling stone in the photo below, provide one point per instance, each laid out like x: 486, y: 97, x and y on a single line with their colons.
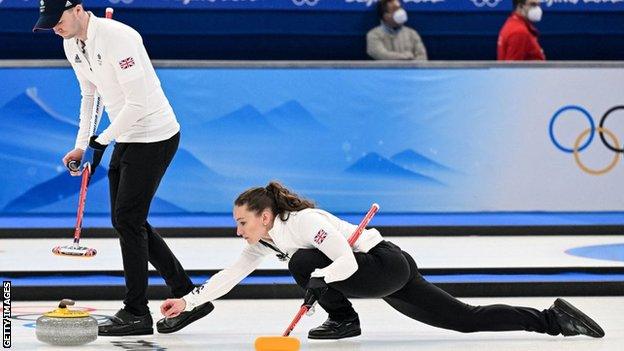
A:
x: 65, y: 327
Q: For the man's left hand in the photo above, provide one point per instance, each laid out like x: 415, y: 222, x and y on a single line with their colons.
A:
x: 93, y: 154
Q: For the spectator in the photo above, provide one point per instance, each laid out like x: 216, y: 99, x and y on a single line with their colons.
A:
x: 517, y: 39
x: 392, y: 40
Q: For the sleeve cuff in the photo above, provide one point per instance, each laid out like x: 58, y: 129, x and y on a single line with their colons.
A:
x: 103, y: 139
x: 318, y: 273
x: 190, y: 303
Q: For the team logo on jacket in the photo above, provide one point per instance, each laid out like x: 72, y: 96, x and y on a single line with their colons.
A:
x: 197, y: 290
x: 320, y: 237
x: 99, y: 59
x: 126, y: 63
x: 77, y: 59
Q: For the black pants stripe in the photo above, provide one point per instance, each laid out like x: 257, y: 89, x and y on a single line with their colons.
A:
x: 134, y: 175
x: 388, y: 272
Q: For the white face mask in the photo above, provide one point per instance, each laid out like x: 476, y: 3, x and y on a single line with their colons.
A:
x: 535, y: 14
x: 399, y: 16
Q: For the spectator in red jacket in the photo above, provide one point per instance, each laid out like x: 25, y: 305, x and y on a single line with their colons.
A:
x: 517, y: 39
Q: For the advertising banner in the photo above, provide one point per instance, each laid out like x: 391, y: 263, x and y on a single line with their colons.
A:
x: 413, y: 140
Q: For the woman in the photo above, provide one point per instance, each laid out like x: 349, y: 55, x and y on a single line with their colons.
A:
x: 274, y: 220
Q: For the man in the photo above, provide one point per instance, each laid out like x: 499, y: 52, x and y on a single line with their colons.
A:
x: 517, y: 39
x: 392, y: 39
x: 109, y: 57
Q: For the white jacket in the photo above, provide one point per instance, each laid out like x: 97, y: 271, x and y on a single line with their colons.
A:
x: 115, y: 62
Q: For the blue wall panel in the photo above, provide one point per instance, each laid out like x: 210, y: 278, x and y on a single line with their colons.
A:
x: 414, y: 140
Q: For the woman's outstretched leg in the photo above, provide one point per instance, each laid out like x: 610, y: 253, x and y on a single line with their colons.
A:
x: 425, y: 302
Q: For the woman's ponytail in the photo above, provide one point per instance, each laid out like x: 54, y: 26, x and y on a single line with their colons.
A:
x: 274, y: 196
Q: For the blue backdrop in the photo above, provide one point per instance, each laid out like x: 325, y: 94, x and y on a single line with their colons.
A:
x: 414, y: 140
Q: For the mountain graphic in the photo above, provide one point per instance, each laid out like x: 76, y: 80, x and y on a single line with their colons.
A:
x: 98, y: 200
x: 31, y: 133
x: 160, y: 205
x: 416, y: 162
x: 377, y: 165
x: 193, y: 185
x: 33, y: 138
x: 291, y: 117
x: 187, y: 181
x: 186, y: 166
x: 58, y: 188
x: 246, y: 121
x: 26, y: 120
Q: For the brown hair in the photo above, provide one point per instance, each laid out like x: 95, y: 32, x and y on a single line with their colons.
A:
x: 274, y: 196
x: 382, y: 7
x: 516, y: 3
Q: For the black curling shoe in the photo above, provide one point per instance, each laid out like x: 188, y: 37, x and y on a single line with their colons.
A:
x: 332, y: 329
x: 125, y: 323
x: 574, y: 322
x: 170, y: 325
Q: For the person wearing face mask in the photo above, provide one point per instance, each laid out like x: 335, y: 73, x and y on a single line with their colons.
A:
x: 517, y: 39
x: 392, y: 39
x: 276, y: 221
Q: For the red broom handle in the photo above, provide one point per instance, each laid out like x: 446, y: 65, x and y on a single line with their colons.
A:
x: 86, y: 173
x: 374, y: 208
x: 82, y: 199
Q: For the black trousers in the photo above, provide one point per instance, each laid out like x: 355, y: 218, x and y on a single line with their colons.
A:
x: 134, y: 175
x: 388, y: 272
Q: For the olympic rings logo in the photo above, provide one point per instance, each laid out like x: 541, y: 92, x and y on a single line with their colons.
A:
x: 305, y: 2
x: 613, y: 144
x: 489, y: 3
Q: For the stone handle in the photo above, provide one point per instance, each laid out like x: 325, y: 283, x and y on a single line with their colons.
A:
x: 66, y: 302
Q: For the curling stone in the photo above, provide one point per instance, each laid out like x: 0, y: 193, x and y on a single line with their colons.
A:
x: 64, y: 327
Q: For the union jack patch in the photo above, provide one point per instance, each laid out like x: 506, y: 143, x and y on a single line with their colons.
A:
x: 320, y: 237
x: 126, y: 63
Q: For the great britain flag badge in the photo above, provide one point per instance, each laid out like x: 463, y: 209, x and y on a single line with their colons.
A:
x: 320, y: 237
x: 126, y: 63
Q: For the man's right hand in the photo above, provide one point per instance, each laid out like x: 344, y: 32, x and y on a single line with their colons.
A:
x: 74, y: 155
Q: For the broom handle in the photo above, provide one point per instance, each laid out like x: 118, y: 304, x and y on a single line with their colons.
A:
x: 82, y: 199
x: 356, y: 235
x: 352, y: 239
x: 86, y: 173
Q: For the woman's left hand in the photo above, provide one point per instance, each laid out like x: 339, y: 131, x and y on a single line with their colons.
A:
x: 315, y: 289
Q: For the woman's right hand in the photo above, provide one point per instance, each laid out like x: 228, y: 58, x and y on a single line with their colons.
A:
x: 74, y: 155
x: 172, y: 307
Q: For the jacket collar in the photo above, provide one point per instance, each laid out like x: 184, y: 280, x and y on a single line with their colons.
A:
x: 91, y: 31
x: 278, y: 227
x: 526, y: 22
x: 389, y: 29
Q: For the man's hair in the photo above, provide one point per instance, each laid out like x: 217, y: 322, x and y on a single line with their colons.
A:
x: 517, y: 3
x: 382, y: 7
